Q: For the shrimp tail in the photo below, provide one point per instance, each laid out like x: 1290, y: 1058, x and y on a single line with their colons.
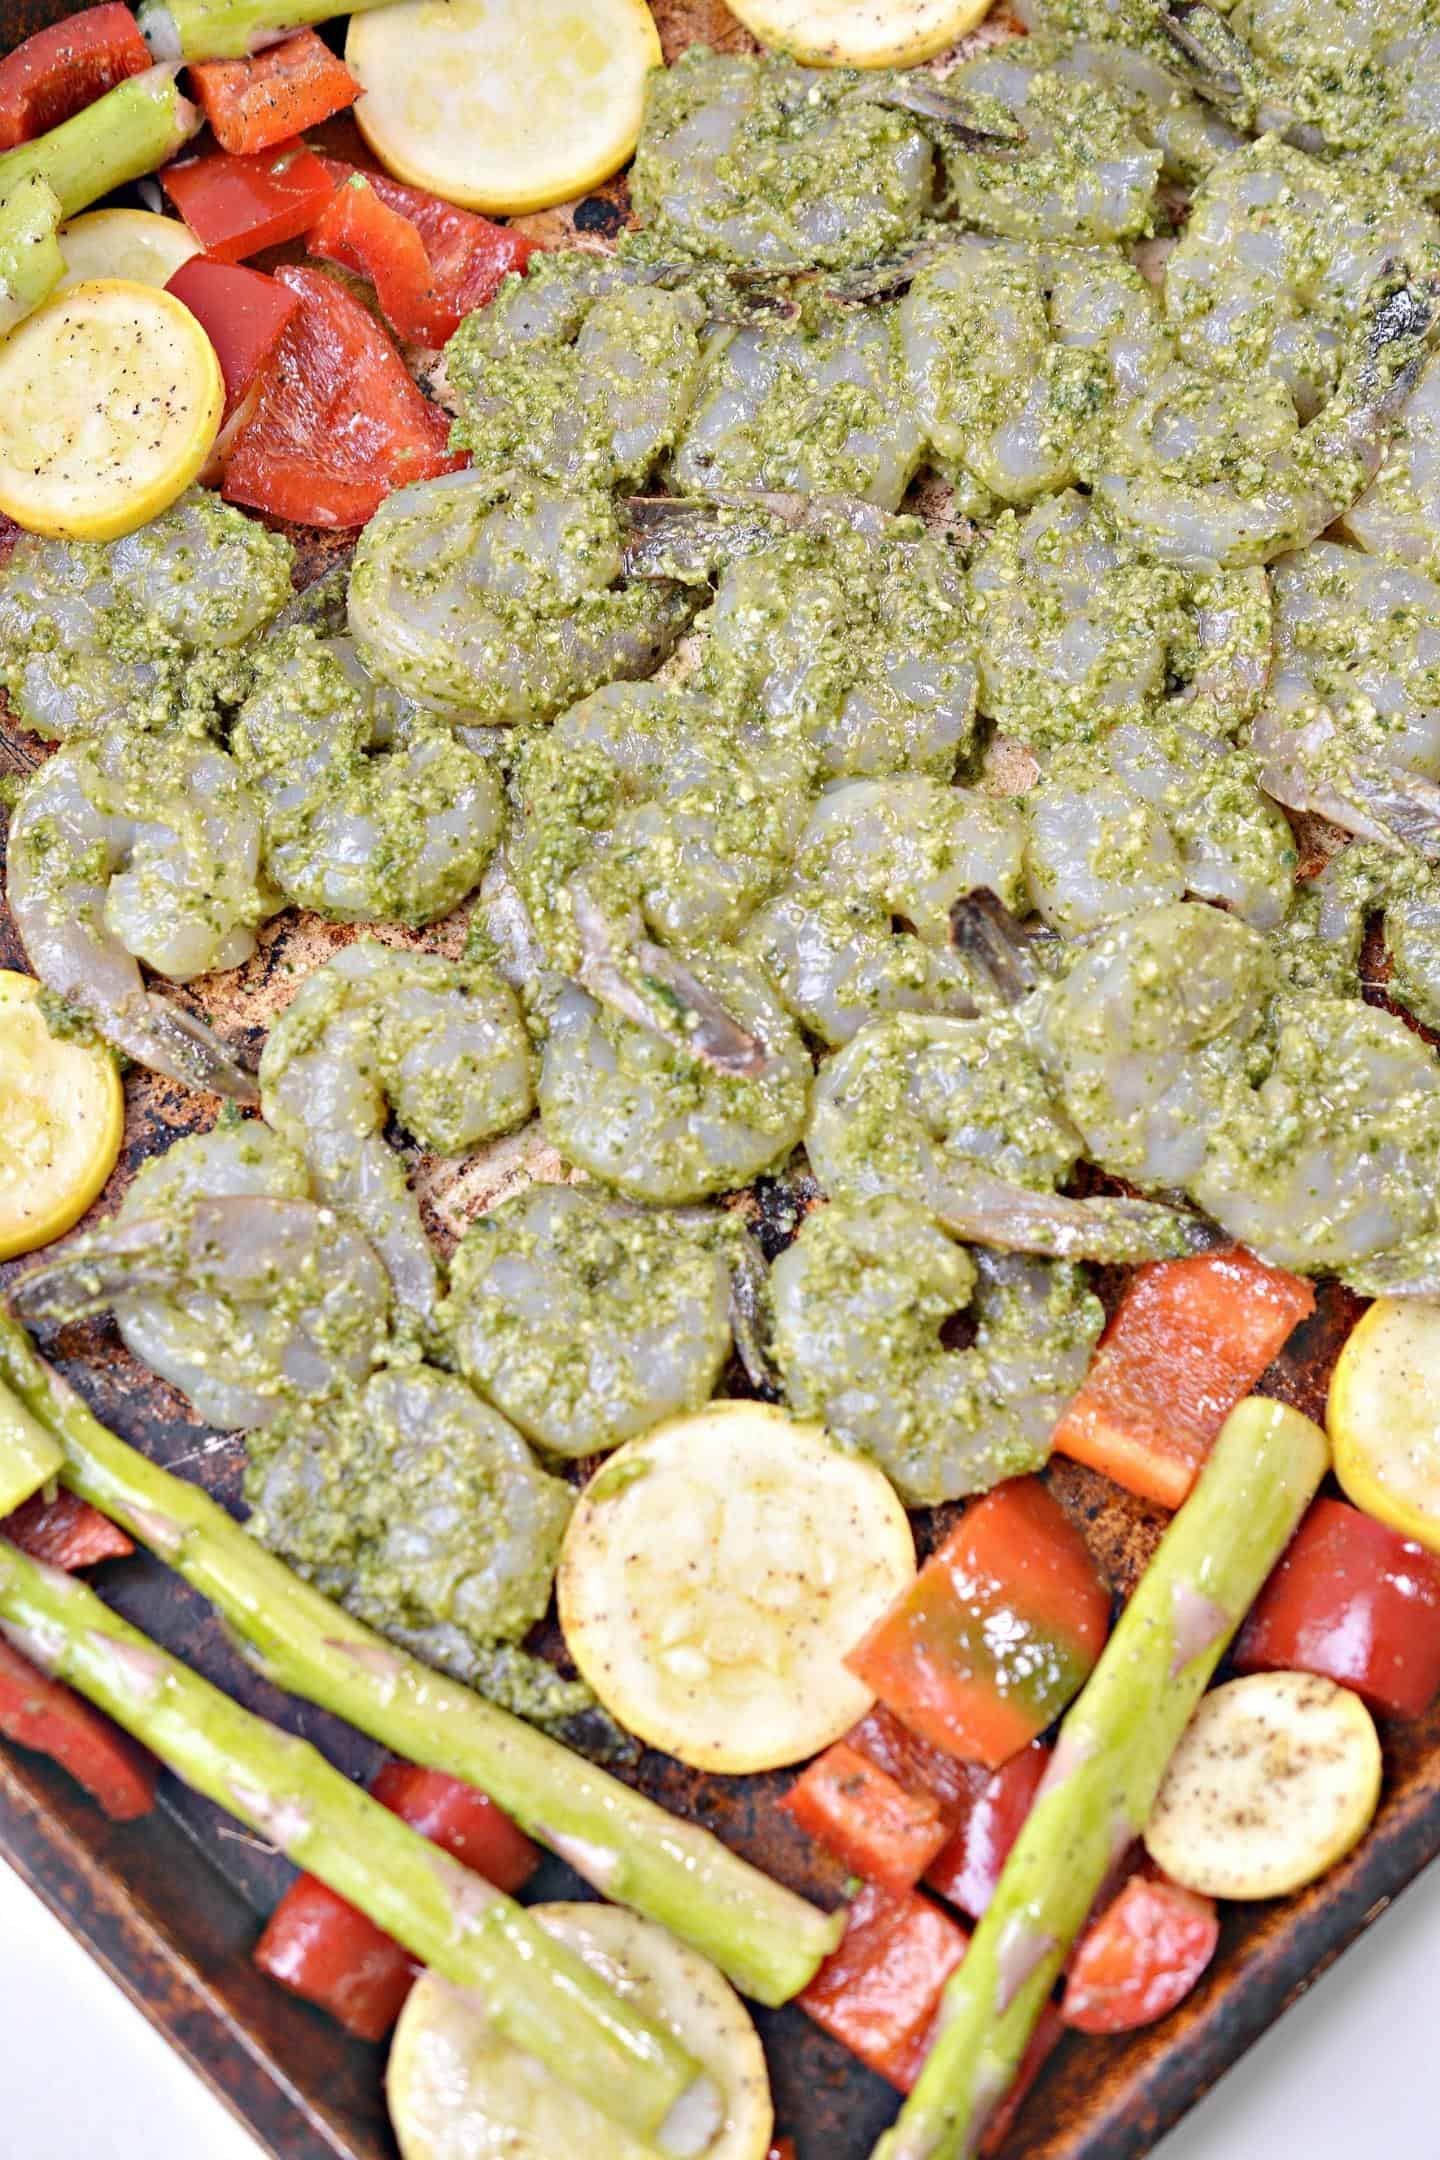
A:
x: 925, y: 97
x: 1217, y: 64
x: 690, y: 537
x: 642, y: 982
x: 1119, y: 1232
x: 752, y: 1316
x: 179, y: 1044
x: 995, y: 942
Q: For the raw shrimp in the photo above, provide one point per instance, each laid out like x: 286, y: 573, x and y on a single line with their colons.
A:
x: 1398, y: 516
x: 1350, y: 726
x: 861, y: 1301
x: 440, y: 1042
x: 1158, y: 812
x: 1205, y: 471
x: 957, y: 1116
x: 141, y: 630
x: 1016, y: 357
x: 1144, y: 1030
x: 489, y: 607
x: 584, y: 1323
x: 1321, y: 944
x: 820, y: 406
x: 577, y: 371
x: 424, y: 1513
x: 373, y: 812
x: 657, y: 1121
x: 1081, y: 172
x: 227, y: 1281
x: 863, y: 926
x: 125, y: 850
x: 1077, y: 632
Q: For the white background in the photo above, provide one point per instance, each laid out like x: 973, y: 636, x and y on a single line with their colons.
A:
x: 1349, y: 2071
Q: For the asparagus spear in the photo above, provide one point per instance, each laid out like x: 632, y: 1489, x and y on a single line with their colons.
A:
x: 29, y: 1456
x: 1112, y: 1753
x: 31, y: 264
x: 135, y: 127
x: 229, y: 29
x: 537, y: 1993
x: 768, y: 1941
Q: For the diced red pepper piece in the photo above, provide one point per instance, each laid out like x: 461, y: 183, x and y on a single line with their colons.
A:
x: 878, y: 1993
x: 242, y: 312
x: 340, y: 424
x: 41, y: 1713
x: 469, y: 256
x: 364, y: 234
x: 235, y: 206
x: 878, y: 1829
x: 321, y: 1948
x: 997, y: 1633
x: 1355, y: 1601
x: 782, y: 2149
x: 968, y: 1869
x: 66, y: 1532
x: 61, y: 70
x: 1140, y: 1958
x: 917, y: 1766
x: 1189, y: 1341
x: 253, y: 104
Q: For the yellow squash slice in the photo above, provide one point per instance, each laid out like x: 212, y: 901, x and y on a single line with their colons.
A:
x: 1384, y: 1416
x: 860, y: 33
x: 112, y: 396
x: 133, y: 244
x: 456, y: 2092
x: 503, y: 105
x: 62, y: 1112
x: 714, y: 1574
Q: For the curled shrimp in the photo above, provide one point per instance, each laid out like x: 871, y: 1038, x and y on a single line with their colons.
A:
x: 861, y: 1300
x: 487, y: 606
x: 956, y: 1116
x: 242, y: 1293
x: 442, y: 1043
x: 584, y: 1323
x: 863, y: 926
x: 372, y: 812
x: 121, y: 852
x: 1398, y: 516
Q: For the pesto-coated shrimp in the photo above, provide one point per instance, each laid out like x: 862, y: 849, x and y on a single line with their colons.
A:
x: 1398, y: 516
x: 819, y: 406
x: 1077, y: 632
x: 145, y: 629
x: 441, y: 1043
x: 1322, y: 942
x: 1158, y: 812
x: 586, y: 1323
x: 128, y: 850
x: 861, y: 1299
x: 958, y: 1117
x: 423, y: 1512
x: 863, y: 925
x: 373, y: 812
x: 489, y: 606
x: 578, y: 371
x: 1016, y: 357
x: 239, y: 1290
x: 1350, y: 726
x: 655, y: 1120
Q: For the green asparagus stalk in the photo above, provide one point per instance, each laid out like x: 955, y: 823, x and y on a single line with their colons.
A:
x: 29, y: 1456
x: 537, y: 1993
x: 229, y: 29
x: 765, y: 1938
x: 125, y: 134
x: 1112, y: 1753
x: 31, y: 264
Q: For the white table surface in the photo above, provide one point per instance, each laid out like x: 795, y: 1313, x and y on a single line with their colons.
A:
x: 82, y: 2077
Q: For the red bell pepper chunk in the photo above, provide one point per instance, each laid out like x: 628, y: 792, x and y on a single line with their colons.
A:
x: 235, y: 206
x: 41, y: 1713
x: 242, y: 312
x: 878, y: 1829
x: 1140, y: 1958
x: 782, y: 2149
x: 968, y: 1869
x: 339, y: 424
x: 60, y: 71
x: 1355, y: 1601
x: 878, y: 1993
x: 1189, y: 1341
x: 469, y: 256
x: 362, y: 232
x: 321, y: 1948
x: 998, y: 1631
x: 66, y: 1532
x: 917, y: 1767
x: 253, y: 104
